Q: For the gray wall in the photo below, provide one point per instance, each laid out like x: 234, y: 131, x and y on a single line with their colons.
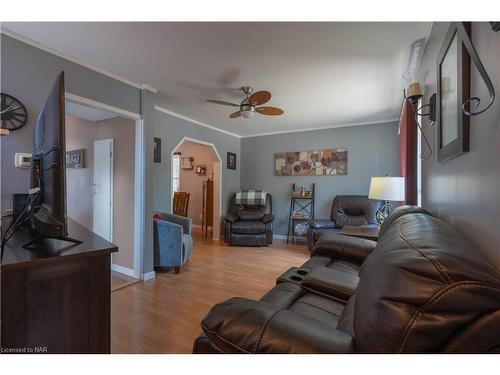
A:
x: 372, y: 151
x: 466, y: 190
x: 171, y: 130
x: 122, y: 131
x: 28, y: 73
x: 148, y: 115
x: 80, y: 134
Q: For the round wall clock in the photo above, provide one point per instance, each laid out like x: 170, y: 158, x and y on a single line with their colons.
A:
x: 13, y: 113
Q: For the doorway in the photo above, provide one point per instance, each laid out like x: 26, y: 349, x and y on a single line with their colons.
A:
x: 117, y: 146
x: 194, y: 164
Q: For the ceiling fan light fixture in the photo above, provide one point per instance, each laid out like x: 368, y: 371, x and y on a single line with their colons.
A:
x: 248, y: 105
x: 247, y: 111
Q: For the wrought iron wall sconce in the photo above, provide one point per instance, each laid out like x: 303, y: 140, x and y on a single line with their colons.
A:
x: 415, y: 91
x: 430, y: 107
x: 414, y: 95
x: 464, y: 36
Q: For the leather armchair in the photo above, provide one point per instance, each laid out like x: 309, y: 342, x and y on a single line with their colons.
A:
x: 249, y: 225
x: 422, y: 287
x: 346, y: 210
x: 173, y: 243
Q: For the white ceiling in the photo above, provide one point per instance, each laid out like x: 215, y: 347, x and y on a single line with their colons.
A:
x: 320, y: 74
x: 86, y: 112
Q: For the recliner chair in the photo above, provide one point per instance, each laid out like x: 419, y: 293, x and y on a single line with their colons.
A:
x: 249, y: 225
x: 346, y: 210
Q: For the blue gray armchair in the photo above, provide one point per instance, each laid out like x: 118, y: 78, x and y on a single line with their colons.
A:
x: 173, y: 244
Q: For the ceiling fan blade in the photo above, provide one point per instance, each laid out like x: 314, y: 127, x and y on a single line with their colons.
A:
x: 259, y: 97
x: 270, y: 111
x: 223, y: 103
x: 235, y: 114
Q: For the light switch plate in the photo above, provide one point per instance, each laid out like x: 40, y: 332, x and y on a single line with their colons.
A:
x: 22, y: 160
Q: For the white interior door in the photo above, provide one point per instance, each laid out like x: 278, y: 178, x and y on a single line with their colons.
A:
x: 103, y: 189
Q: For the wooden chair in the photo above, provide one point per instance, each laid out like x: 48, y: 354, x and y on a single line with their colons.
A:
x: 181, y: 203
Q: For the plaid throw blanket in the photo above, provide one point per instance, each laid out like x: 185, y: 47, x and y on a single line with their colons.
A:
x: 251, y: 198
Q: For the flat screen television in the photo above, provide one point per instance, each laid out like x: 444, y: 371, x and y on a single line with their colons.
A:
x: 48, y: 169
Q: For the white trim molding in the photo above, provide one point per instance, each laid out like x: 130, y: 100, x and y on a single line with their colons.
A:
x: 182, y: 117
x: 148, y: 276
x: 186, y: 118
x: 73, y: 59
x: 92, y: 103
x: 149, y: 88
x: 139, y: 181
x: 184, y: 139
x: 279, y: 237
x: 177, y: 146
x: 123, y: 270
x: 139, y: 197
x: 321, y: 128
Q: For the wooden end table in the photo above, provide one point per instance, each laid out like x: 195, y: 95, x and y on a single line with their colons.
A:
x: 368, y: 232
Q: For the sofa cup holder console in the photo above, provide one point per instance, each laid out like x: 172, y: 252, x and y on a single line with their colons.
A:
x: 294, y: 275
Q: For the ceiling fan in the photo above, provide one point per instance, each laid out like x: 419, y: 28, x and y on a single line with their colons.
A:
x: 248, y: 106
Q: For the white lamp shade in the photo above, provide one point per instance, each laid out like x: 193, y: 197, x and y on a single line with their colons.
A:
x: 387, y: 188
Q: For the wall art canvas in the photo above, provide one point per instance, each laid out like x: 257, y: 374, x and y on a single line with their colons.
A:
x: 74, y: 159
x: 327, y: 162
x: 231, y: 160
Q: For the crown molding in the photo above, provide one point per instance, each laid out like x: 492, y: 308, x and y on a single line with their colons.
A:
x: 175, y: 114
x: 322, y: 128
x: 182, y: 117
x: 73, y: 59
x: 149, y: 88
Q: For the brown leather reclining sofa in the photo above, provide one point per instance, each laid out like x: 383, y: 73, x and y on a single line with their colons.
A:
x: 422, y: 288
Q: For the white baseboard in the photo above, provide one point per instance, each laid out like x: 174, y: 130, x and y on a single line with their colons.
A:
x: 279, y: 237
x: 124, y: 270
x: 199, y: 226
x: 148, y: 276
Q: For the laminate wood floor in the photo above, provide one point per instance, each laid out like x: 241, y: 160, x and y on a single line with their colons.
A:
x: 163, y: 315
x: 119, y: 281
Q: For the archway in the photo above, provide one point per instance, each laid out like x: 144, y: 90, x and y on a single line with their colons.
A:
x: 217, y: 179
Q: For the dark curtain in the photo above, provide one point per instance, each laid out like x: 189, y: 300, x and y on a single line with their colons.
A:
x: 408, y: 152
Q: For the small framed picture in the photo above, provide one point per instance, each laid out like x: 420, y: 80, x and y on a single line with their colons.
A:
x: 231, y: 160
x: 187, y: 162
x: 157, y: 150
x: 201, y: 170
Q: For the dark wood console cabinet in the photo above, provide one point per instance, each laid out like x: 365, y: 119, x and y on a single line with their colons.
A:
x: 54, y: 299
